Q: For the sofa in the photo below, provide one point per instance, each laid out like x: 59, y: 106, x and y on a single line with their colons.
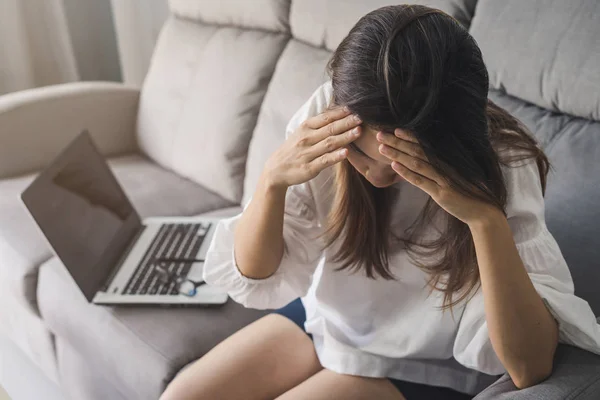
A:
x: 224, y: 79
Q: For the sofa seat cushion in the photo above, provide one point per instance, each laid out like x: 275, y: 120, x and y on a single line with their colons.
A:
x: 153, y: 190
x: 140, y: 349
x: 576, y: 376
x: 82, y: 379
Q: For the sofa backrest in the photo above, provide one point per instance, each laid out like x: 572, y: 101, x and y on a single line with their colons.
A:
x: 543, y: 58
x: 206, y: 82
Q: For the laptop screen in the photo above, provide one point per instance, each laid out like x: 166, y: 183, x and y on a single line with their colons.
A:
x: 84, y: 213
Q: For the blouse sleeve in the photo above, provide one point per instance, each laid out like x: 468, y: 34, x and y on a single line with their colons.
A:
x: 301, y: 234
x: 547, y: 270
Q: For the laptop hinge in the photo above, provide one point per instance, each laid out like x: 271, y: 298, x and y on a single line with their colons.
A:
x: 119, y: 264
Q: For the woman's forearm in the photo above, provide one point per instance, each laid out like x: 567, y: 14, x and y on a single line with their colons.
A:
x: 523, y: 333
x: 258, y: 236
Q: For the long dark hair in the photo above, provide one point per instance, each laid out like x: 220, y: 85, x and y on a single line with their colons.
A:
x: 417, y: 68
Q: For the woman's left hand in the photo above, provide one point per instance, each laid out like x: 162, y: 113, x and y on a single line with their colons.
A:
x: 410, y: 162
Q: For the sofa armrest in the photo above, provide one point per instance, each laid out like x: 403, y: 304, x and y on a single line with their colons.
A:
x: 36, y: 124
x: 576, y: 376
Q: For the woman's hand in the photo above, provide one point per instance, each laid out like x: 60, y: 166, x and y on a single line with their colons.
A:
x: 318, y: 143
x: 409, y: 161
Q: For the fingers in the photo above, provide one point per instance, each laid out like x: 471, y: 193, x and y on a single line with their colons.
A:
x: 416, y: 165
x: 326, y: 117
x: 327, y: 160
x: 404, y: 135
x: 405, y: 150
x: 332, y: 143
x: 413, y: 149
x: 335, y: 128
x: 420, y: 181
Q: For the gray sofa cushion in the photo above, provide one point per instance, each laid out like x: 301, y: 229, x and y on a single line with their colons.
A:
x: 545, y: 52
x: 325, y: 23
x: 576, y: 376
x: 155, y: 191
x: 82, y: 379
x: 573, y: 192
x: 139, y: 349
x: 201, y: 98
x: 271, y: 15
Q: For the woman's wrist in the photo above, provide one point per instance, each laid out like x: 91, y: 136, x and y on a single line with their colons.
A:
x: 270, y: 187
x: 489, y: 219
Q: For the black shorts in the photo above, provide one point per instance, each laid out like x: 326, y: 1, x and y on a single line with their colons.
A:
x: 412, y: 391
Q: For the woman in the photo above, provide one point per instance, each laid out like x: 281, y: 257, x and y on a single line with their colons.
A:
x: 422, y: 258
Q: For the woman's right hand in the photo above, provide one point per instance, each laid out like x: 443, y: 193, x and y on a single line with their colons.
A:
x: 318, y: 143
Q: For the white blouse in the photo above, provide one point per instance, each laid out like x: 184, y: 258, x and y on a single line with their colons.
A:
x: 395, y: 329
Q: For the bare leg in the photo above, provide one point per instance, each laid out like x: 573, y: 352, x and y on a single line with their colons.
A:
x: 261, y: 361
x: 327, y: 385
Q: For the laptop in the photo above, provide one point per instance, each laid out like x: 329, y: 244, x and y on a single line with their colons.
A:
x: 113, y: 256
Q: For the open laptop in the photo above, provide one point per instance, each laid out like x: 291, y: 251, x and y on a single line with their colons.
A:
x: 112, y: 255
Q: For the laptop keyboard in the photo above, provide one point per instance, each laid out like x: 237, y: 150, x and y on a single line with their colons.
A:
x: 173, y: 241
